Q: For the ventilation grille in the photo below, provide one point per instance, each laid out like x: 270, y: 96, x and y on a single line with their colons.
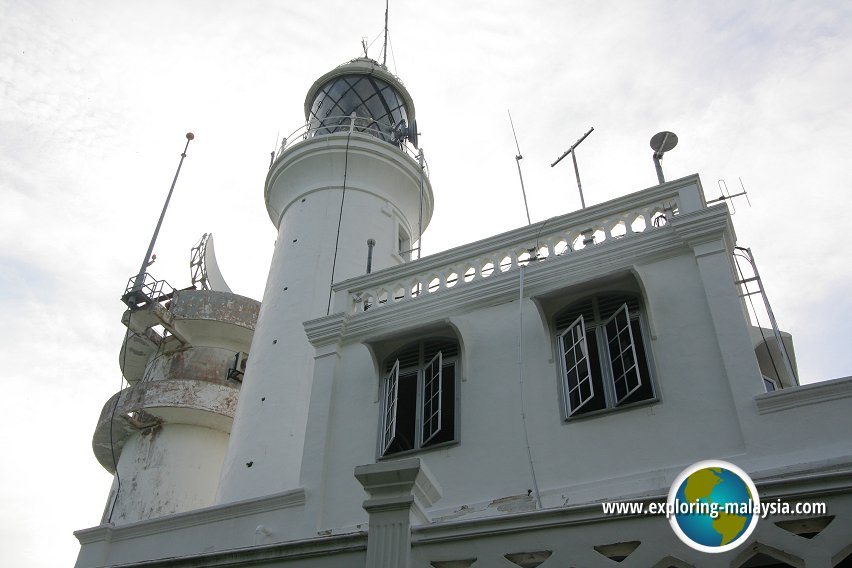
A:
x: 447, y: 347
x: 566, y: 317
x: 606, y: 306
x: 409, y: 356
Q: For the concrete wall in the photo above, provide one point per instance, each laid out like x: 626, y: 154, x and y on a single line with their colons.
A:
x: 304, y: 195
x: 706, y: 379
x: 166, y: 470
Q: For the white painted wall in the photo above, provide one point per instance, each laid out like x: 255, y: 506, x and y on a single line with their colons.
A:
x: 304, y: 193
x: 711, y: 405
x: 167, y: 470
x: 706, y: 377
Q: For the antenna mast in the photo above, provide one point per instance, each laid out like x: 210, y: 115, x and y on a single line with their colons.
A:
x: 385, y: 50
x: 518, y: 159
x: 574, y: 157
x: 723, y: 187
x: 140, y: 277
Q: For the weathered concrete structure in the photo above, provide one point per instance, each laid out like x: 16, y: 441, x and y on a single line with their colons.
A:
x: 474, y: 407
x: 167, y: 433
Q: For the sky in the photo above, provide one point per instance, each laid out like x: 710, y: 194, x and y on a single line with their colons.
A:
x: 95, y: 99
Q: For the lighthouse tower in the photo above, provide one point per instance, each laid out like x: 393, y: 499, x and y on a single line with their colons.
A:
x: 164, y: 436
x: 350, y: 191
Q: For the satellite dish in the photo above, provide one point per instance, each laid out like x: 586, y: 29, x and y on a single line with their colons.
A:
x: 662, y: 142
x: 412, y: 133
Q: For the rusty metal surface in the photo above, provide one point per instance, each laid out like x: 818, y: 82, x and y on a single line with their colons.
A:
x: 198, y: 363
x: 215, y: 306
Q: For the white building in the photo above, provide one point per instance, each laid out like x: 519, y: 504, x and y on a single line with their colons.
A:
x: 470, y: 408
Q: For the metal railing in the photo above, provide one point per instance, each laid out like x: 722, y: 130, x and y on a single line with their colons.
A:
x: 345, y: 125
x: 143, y: 292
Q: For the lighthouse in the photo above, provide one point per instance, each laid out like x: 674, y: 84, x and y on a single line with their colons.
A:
x: 475, y: 407
x: 347, y: 191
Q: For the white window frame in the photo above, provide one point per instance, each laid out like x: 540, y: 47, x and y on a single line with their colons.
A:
x: 430, y: 381
x: 630, y: 349
x: 606, y: 359
x: 390, y: 408
x: 428, y: 397
x: 403, y: 242
x: 576, y: 333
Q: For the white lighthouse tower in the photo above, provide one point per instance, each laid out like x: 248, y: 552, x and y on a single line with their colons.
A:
x: 347, y: 193
x: 164, y: 436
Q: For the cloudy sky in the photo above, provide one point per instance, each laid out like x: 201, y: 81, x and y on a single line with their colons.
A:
x: 95, y: 98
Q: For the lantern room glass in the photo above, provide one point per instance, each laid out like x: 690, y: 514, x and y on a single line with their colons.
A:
x: 378, y: 108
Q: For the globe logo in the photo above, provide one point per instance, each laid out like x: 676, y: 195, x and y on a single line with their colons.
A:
x: 713, y: 506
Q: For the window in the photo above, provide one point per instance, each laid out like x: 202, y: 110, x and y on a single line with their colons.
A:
x: 602, y: 354
x: 403, y: 243
x: 419, y: 393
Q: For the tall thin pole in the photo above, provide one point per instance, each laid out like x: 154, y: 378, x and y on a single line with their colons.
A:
x: 140, y: 277
x: 572, y: 151
x: 420, y: 160
x: 518, y: 159
x: 385, y: 50
x: 577, y: 173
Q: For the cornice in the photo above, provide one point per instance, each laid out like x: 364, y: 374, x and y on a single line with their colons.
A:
x: 794, y: 397
x: 785, y: 488
x: 199, y: 517
x: 262, y: 555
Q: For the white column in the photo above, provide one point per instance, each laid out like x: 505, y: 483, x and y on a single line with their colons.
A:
x: 400, y: 491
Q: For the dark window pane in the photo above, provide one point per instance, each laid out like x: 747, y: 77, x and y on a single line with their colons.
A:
x: 406, y: 418
x: 598, y: 401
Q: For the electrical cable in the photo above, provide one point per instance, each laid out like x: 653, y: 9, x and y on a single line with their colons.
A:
x: 393, y: 55
x: 521, y: 382
x: 538, y: 236
x: 112, y: 419
x: 339, y: 222
x: 374, y: 40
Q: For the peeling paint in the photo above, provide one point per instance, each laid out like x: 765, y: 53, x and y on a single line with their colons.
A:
x: 514, y: 504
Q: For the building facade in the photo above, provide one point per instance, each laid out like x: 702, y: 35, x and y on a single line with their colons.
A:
x: 471, y: 408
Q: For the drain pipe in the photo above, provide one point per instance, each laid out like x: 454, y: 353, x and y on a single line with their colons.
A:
x: 370, y: 244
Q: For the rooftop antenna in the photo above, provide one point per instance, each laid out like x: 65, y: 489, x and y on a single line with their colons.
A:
x: 723, y: 187
x: 385, y: 49
x: 518, y: 159
x: 661, y: 143
x: 130, y: 298
x: 571, y: 151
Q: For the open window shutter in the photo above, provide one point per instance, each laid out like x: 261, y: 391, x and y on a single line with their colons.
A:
x: 391, y: 398
x: 578, y: 385
x: 622, y: 354
x: 431, y: 415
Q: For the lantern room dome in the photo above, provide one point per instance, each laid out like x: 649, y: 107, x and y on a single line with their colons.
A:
x: 382, y: 106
